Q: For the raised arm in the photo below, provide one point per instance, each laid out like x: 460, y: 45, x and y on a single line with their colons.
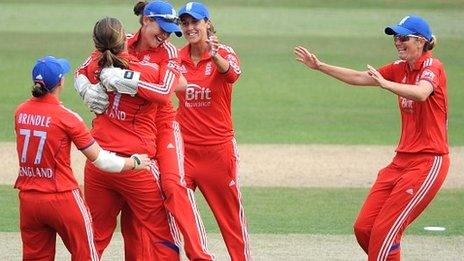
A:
x: 350, y: 76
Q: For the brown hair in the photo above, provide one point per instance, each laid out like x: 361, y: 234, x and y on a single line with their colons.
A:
x: 210, y: 31
x: 138, y: 9
x: 38, y: 90
x: 429, y: 45
x: 109, y: 38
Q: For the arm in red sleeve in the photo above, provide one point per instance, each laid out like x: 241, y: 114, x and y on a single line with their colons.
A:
x: 160, y: 92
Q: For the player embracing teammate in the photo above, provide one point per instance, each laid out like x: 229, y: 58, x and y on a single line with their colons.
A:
x: 220, y: 183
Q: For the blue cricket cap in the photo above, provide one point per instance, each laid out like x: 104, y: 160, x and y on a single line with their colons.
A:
x: 165, y: 15
x: 197, y: 10
x: 49, y: 70
x: 411, y: 25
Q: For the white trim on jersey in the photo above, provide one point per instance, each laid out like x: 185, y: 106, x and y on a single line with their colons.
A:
x: 88, y: 223
x: 171, y: 50
x: 428, y: 62
x: 423, y: 190
x: 169, y: 78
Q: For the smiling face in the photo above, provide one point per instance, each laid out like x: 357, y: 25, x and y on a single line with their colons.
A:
x: 409, y: 47
x: 152, y: 35
x: 194, y: 31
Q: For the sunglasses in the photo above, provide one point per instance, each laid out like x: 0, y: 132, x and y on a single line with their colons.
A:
x: 167, y: 17
x: 405, y: 38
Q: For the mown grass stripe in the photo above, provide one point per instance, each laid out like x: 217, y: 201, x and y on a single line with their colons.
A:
x: 299, y: 211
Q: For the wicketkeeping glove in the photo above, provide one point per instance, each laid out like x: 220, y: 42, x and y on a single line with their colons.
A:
x: 94, y: 95
x: 119, y: 80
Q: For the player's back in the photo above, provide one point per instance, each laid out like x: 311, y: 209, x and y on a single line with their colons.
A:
x: 128, y: 125
x: 44, y: 132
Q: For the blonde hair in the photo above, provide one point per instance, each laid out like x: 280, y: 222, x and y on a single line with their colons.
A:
x: 210, y: 31
x: 109, y: 38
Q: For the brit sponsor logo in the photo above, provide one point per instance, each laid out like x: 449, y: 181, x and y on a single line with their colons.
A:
x: 197, y: 96
x: 406, y: 104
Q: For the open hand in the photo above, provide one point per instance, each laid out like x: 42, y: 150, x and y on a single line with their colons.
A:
x: 376, y: 76
x: 306, y: 58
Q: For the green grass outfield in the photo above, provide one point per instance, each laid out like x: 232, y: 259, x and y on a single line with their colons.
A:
x: 277, y: 100
x: 299, y: 211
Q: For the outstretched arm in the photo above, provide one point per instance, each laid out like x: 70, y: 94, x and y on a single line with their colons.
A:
x: 346, y: 75
x: 110, y: 162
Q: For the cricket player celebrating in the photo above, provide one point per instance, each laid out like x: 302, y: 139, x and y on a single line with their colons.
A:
x: 150, y: 44
x: 406, y: 186
x: 129, y: 124
x: 204, y: 113
x: 50, y: 199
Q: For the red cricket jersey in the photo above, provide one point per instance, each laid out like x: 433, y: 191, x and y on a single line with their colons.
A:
x: 164, y: 55
x: 204, y: 111
x: 424, y: 124
x: 128, y: 124
x: 44, y: 132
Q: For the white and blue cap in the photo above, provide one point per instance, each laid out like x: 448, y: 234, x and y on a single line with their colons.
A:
x: 197, y: 10
x: 49, y: 70
x: 165, y: 15
x: 411, y: 25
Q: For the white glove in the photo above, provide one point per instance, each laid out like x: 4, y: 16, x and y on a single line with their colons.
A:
x: 119, y: 80
x: 94, y: 95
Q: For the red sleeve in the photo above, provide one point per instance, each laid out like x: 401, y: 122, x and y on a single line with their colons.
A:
x: 76, y: 130
x: 387, y: 71
x: 234, y: 71
x: 156, y: 89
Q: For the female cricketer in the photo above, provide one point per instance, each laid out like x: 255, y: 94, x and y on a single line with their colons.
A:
x: 406, y: 186
x: 150, y: 44
x: 50, y: 199
x: 129, y: 124
x: 204, y: 114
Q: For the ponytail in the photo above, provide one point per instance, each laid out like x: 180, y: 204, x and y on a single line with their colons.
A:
x: 109, y: 38
x: 138, y: 9
x: 38, y: 90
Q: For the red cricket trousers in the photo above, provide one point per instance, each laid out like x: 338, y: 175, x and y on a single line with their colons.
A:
x: 106, y: 194
x: 42, y: 215
x: 213, y: 169
x: 178, y: 199
x: 400, y: 194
